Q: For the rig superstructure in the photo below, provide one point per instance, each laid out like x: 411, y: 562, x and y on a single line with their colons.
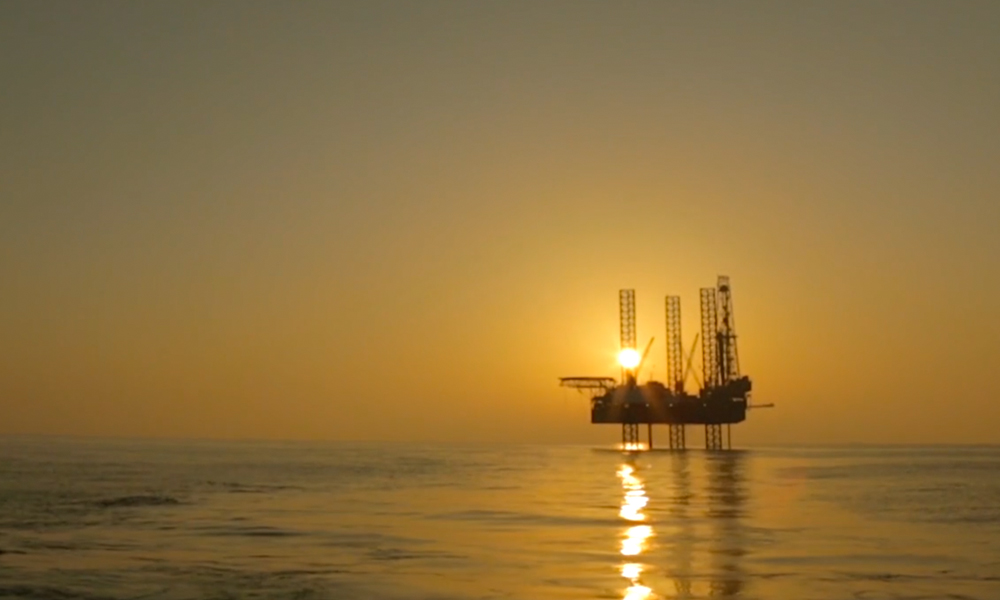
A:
x: 724, y: 394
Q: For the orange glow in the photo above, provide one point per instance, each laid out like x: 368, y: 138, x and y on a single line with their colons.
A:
x: 233, y: 283
x: 629, y: 358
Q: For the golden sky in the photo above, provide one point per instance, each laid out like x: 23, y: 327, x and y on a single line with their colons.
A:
x: 405, y: 220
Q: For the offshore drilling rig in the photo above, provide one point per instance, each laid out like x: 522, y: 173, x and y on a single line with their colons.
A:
x: 723, y: 398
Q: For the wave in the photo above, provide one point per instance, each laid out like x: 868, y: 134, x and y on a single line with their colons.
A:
x: 138, y: 500
x: 46, y: 593
x: 253, y: 531
x: 246, y: 488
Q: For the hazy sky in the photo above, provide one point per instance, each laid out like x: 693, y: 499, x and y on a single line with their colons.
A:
x: 405, y: 220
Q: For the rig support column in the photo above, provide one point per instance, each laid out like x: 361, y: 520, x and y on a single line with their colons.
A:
x: 630, y: 436
x: 649, y: 434
x: 677, y: 437
x: 713, y: 437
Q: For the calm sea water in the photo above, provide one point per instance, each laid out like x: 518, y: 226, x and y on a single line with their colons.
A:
x: 101, y: 519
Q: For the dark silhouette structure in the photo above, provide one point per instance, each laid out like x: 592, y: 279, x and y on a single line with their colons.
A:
x: 724, y: 395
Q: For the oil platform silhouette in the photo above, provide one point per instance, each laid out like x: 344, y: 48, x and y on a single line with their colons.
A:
x: 724, y: 395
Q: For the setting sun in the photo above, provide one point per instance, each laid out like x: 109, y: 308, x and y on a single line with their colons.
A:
x: 629, y: 358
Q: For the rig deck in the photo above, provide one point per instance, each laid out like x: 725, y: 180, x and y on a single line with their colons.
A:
x: 652, y: 402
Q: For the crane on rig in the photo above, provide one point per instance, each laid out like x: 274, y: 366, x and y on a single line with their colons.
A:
x: 724, y: 393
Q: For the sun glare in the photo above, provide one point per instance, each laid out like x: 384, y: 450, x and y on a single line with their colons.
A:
x: 629, y: 358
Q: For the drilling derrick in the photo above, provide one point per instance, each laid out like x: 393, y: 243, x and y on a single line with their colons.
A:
x: 729, y: 360
x: 722, y: 399
x: 720, y: 359
x: 675, y: 364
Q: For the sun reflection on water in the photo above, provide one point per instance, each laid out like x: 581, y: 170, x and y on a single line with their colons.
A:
x: 637, y: 592
x: 636, y: 537
x: 633, y: 447
x: 635, y: 540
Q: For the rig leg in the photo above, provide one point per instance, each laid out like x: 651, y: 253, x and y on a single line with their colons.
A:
x: 729, y: 436
x: 630, y: 436
x: 649, y: 434
x: 677, y: 437
x: 713, y: 437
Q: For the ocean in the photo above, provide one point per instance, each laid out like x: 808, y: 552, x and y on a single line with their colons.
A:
x: 123, y: 519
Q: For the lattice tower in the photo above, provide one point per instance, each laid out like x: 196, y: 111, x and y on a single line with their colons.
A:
x: 709, y: 346
x: 675, y: 350
x: 626, y: 312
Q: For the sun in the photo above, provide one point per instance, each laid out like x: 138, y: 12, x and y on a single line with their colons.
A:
x: 629, y: 358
